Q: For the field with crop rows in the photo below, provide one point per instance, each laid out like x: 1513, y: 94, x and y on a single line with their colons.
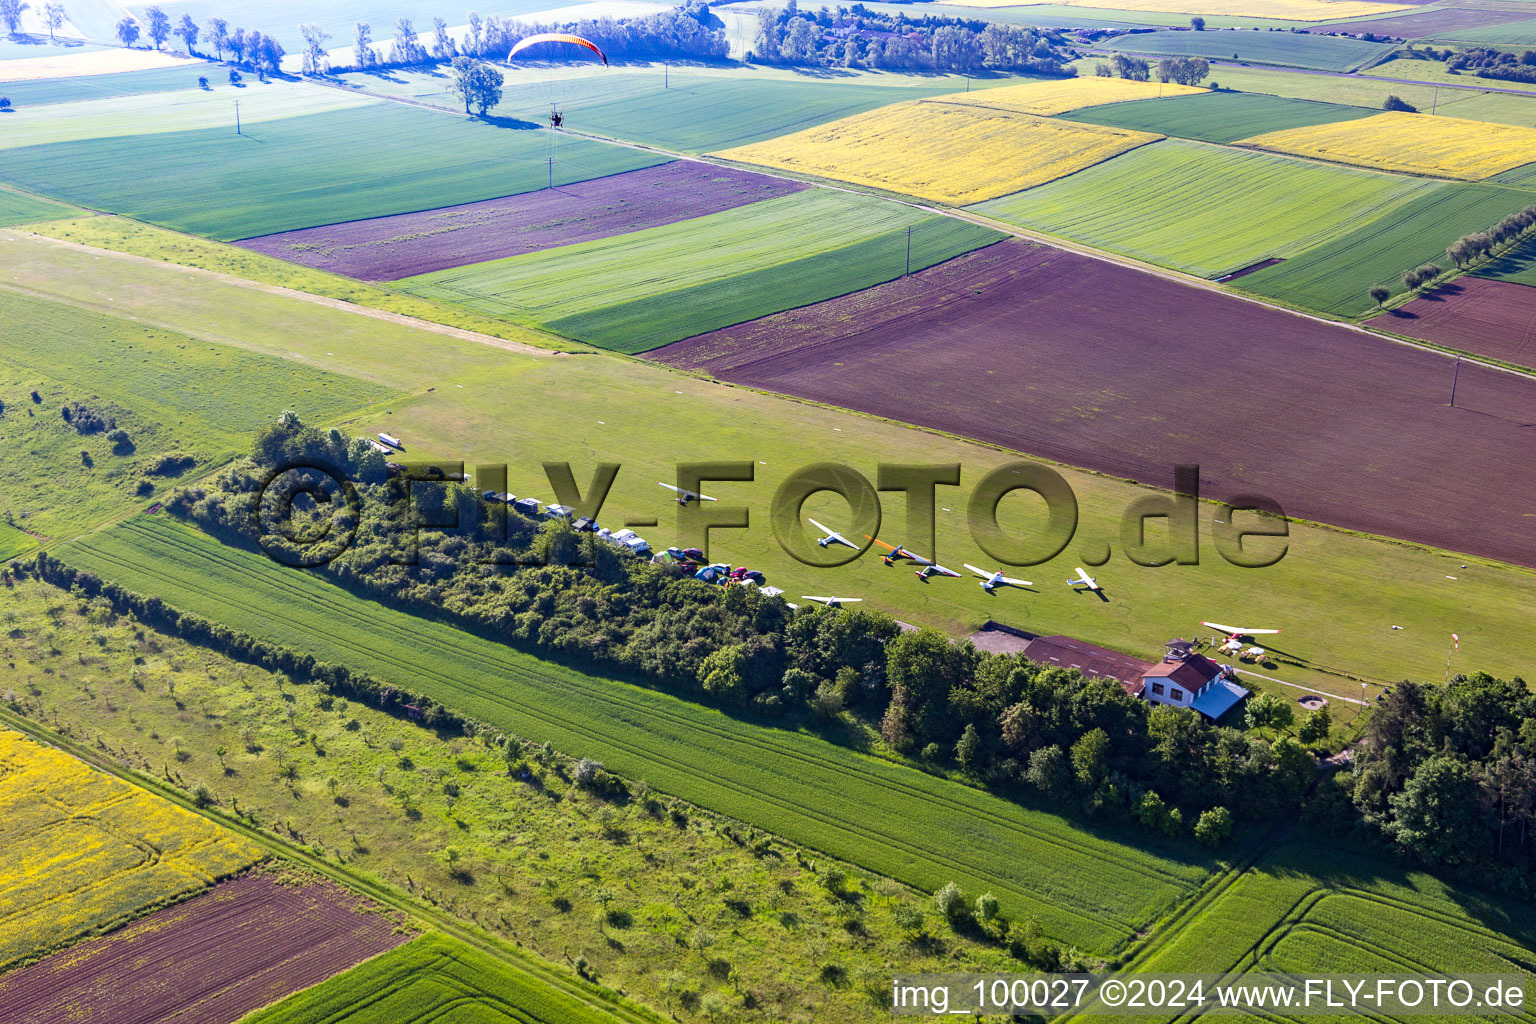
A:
x: 93, y: 87
x: 1510, y: 34
x: 1517, y: 265
x: 637, y: 291
x: 16, y: 208
x: 1310, y: 908
x: 1335, y: 276
x: 885, y: 817
x: 24, y: 63
x: 1203, y: 209
x: 433, y: 979
x: 1288, y: 10
x: 213, y: 959
x: 369, y: 161
x: 1488, y: 317
x: 1288, y: 49
x: 1218, y: 116
x: 1443, y: 147
x: 944, y: 152
x: 390, y: 248
x: 1059, y: 95
x: 84, y: 849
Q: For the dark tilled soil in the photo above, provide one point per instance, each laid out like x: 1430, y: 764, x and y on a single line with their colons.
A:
x: 1490, y: 318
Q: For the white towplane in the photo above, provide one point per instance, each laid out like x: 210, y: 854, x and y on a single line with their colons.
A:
x: 683, y: 496
x: 1235, y: 635
x: 832, y: 536
x: 990, y: 581
x: 831, y: 602
x: 1083, y: 580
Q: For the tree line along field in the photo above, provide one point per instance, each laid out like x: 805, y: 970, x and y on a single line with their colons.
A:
x: 1309, y: 907
x: 528, y: 862
x: 1290, y: 10
x: 886, y: 817
x: 226, y: 186
x: 240, y: 946
x: 636, y: 291
x: 1289, y: 49
x: 1203, y: 209
x: 629, y: 408
x: 1334, y: 277
x: 410, y: 244
x: 1220, y: 117
x: 432, y: 979
x: 85, y: 850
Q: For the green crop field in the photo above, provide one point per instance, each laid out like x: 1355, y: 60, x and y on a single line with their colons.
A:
x: 369, y: 161
x: 1510, y: 34
x: 1335, y: 276
x: 431, y: 979
x: 14, y: 542
x: 637, y: 291
x: 1310, y: 908
x: 1203, y: 209
x: 127, y: 83
x: 1518, y: 265
x: 169, y: 393
x: 1524, y: 177
x: 1422, y: 69
x: 16, y: 208
x: 178, y: 112
x: 1084, y: 889
x: 1289, y: 49
x: 652, y: 418
x: 1217, y: 116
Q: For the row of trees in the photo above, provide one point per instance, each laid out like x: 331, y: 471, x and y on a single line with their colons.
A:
x: 253, y: 49
x: 1465, y: 251
x: 12, y: 10
x: 1486, y: 62
x: 859, y: 37
x: 1183, y: 70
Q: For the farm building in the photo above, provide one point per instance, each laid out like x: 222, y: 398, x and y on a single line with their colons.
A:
x: 1184, y: 678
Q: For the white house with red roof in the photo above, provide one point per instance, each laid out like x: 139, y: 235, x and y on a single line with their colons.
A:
x: 1184, y: 678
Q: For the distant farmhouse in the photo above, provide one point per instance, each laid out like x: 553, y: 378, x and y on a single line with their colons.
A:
x: 1184, y: 678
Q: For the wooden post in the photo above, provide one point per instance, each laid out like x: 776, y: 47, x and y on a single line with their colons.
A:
x: 551, y: 172
x: 1455, y: 376
x: 909, y: 251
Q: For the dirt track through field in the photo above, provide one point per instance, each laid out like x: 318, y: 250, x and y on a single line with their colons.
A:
x: 211, y: 960
x: 1100, y: 366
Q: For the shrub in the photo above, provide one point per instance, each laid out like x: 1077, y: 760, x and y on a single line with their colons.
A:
x: 1214, y: 826
x: 950, y: 900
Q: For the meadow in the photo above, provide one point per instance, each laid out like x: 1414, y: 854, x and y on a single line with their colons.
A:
x: 1218, y: 116
x: 652, y: 419
x: 1444, y: 147
x: 18, y: 208
x: 947, y: 153
x: 635, y: 291
x: 369, y: 161
x: 1421, y: 69
x: 1509, y: 35
x: 1203, y: 209
x: 1365, y: 91
x: 85, y: 850
x: 1287, y: 10
x: 94, y: 87
x: 528, y: 857
x: 175, y: 112
x: 1288, y: 49
x: 1310, y: 907
x: 1057, y: 96
x: 1335, y: 276
x: 885, y: 817
x: 14, y: 542
x: 432, y: 979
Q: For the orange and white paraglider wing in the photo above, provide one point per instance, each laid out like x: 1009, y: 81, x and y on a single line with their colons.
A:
x: 557, y: 37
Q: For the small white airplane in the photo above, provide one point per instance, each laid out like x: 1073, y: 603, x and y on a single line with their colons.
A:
x: 1235, y: 635
x: 897, y: 552
x: 684, y: 497
x: 832, y: 536
x: 831, y: 602
x: 990, y: 581
x: 1083, y: 580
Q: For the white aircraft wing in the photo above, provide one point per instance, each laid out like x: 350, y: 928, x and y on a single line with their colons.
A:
x: 1237, y: 630
x: 943, y: 571
x: 1084, y: 577
x: 1013, y: 582
x: 823, y: 529
x: 980, y: 572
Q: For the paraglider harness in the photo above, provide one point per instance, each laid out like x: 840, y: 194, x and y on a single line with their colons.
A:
x: 556, y: 119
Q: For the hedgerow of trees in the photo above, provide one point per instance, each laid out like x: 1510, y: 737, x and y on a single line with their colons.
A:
x: 1486, y: 62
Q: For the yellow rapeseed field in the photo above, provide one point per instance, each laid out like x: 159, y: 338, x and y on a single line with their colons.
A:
x: 945, y: 152
x: 1443, y: 147
x: 1059, y: 95
x: 83, y: 849
x: 1287, y: 10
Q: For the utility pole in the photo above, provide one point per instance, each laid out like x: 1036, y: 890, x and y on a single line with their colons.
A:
x: 551, y: 172
x: 666, y: 76
x: 1435, y: 104
x: 1455, y: 376
x: 237, y: 117
x: 909, y: 251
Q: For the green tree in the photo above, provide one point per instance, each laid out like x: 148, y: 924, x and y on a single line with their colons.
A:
x: 1198, y: 24
x: 1379, y: 294
x: 127, y: 29
x: 314, y: 49
x: 10, y: 13
x: 1090, y: 758
x: 1214, y: 826
x: 1436, y: 814
x: 188, y: 31
x: 159, y: 29
x: 1269, y: 712
x: 216, y: 31
x: 1315, y: 727
x: 950, y: 901
x: 478, y: 84
x: 362, y: 48
x: 968, y: 751
x: 1049, y: 772
x: 53, y: 16
x: 721, y: 674
x: 1151, y: 811
x: 986, y: 906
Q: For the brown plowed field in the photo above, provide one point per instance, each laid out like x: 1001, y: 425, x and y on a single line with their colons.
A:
x: 1491, y: 318
x: 1102, y: 366
x: 389, y: 248
x: 211, y: 960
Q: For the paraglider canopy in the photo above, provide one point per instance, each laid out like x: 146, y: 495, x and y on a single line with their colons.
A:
x: 557, y: 37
